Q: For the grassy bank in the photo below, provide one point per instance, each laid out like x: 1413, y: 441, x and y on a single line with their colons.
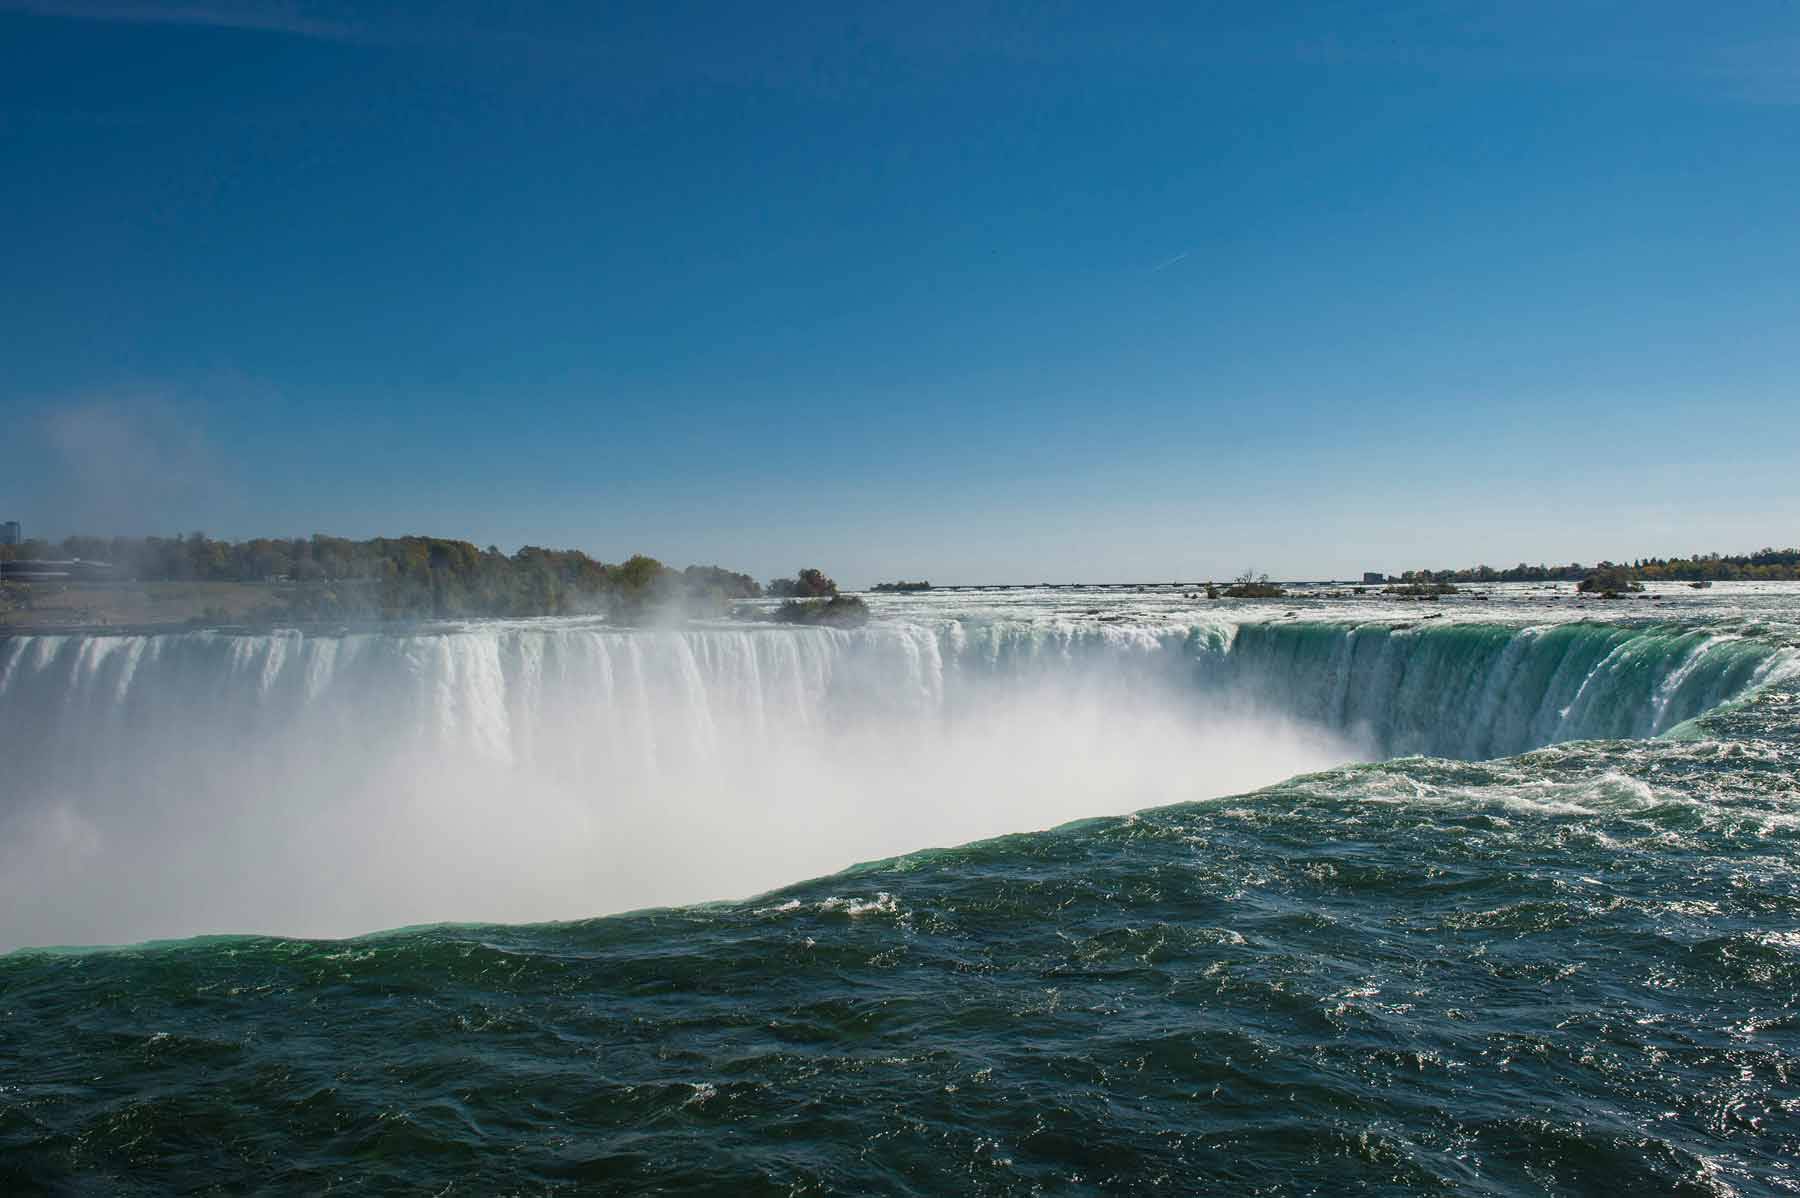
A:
x: 40, y: 607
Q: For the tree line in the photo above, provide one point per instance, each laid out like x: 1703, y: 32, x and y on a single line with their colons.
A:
x: 1765, y: 565
x: 330, y: 578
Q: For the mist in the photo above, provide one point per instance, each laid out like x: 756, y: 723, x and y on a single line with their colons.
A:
x: 205, y: 783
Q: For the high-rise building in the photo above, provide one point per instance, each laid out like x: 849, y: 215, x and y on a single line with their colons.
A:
x: 10, y: 533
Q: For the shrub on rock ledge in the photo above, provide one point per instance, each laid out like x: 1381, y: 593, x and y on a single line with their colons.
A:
x: 840, y: 611
x: 1251, y: 585
x: 1608, y: 579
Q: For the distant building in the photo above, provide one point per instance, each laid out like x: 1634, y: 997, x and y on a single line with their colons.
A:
x: 1373, y: 576
x: 45, y: 570
x: 10, y: 533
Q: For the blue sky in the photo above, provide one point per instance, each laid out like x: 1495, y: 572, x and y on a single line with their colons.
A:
x: 973, y: 292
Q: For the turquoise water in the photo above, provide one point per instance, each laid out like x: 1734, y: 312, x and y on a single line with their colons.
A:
x: 1561, y: 956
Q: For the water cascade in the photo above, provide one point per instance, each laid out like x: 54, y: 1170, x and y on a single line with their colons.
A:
x: 168, y: 784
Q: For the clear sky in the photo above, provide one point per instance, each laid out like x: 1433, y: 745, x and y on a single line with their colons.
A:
x: 971, y: 292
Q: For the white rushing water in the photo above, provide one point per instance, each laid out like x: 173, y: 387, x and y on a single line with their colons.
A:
x: 328, y: 784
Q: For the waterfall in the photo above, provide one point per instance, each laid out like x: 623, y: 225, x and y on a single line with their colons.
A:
x: 336, y: 783
x: 1476, y: 691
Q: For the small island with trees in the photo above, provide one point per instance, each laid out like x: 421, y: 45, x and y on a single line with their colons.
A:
x: 1421, y: 590
x: 1609, y: 581
x: 1249, y: 585
x: 812, y: 598
x: 899, y: 588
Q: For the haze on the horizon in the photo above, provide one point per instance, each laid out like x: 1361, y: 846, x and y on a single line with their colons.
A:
x: 973, y: 293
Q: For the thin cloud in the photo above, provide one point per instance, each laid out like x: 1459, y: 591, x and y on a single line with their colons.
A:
x: 333, y: 23
x: 133, y: 464
x: 258, y: 17
x: 1540, y: 41
x: 1765, y: 72
x: 1166, y: 263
